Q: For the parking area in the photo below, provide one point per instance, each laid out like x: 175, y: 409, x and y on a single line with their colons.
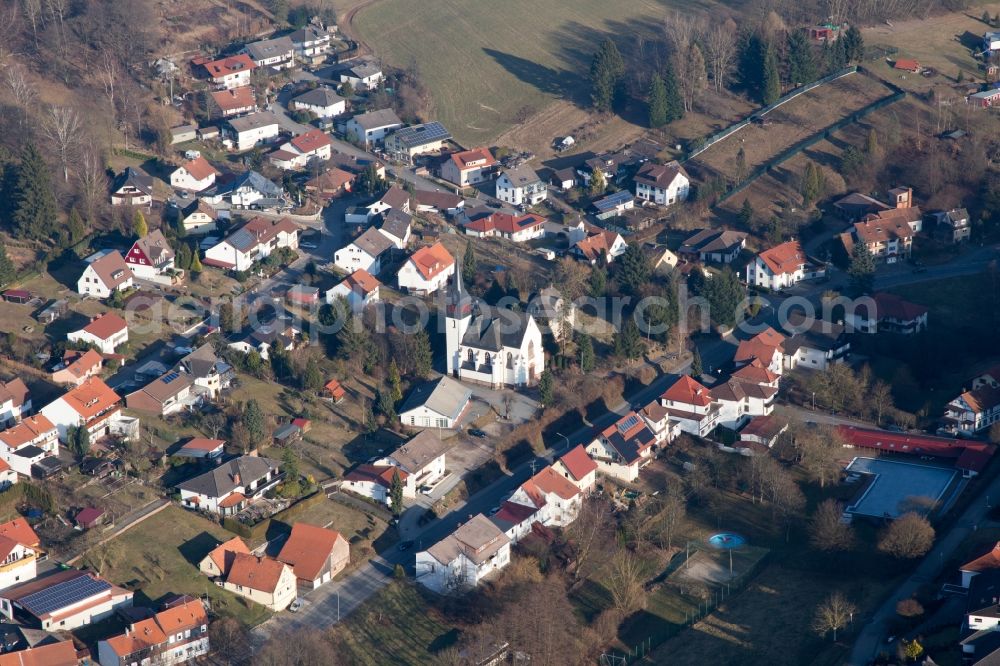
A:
x: 895, y: 487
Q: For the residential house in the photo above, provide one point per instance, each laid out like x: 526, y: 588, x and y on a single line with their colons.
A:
x: 263, y: 580
x: 782, y: 266
x: 739, y: 399
x: 720, y: 246
x: 468, y: 167
x: 373, y: 481
x: 988, y: 561
x: 889, y: 313
x: 330, y: 184
x: 303, y: 150
x: 977, y: 408
x: 251, y: 130
x: 553, y: 313
x: 623, y: 448
x: 248, y: 189
x: 515, y: 227
x: 311, y: 44
x: 765, y: 348
x: 815, y: 343
x: 364, y: 253
x: 408, y: 142
x: 579, y: 468
x: 599, y: 246
x: 60, y: 653
x: 262, y: 339
x: 520, y: 186
x: 151, y: 256
x: 201, y: 448
x: 91, y: 405
x: 27, y: 444
x: 76, y: 366
x: 952, y: 226
x: 985, y: 99
x: 692, y: 406
x: 198, y: 218
x: 232, y: 486
x: 855, y: 206
x: 277, y: 53
x: 563, y: 179
x: 662, y: 184
x: 422, y: 459
x: 397, y: 227
x: 209, y: 372
x: 362, y: 74
x: 253, y: 242
x: 611, y: 165
x: 657, y: 418
x: 175, y: 635
x: 132, y: 187
x: 322, y: 102
x: 613, y: 205
x: 438, y: 202
x: 231, y: 72
x: 439, y: 403
x: 195, y: 175
x: 231, y: 102
x: 302, y: 295
x: 488, y: 345
x: 762, y: 430
x: 907, y: 65
x: 316, y: 554
x: 15, y: 401
x: 888, y: 240
x: 169, y: 394
x: 372, y: 127
x: 107, y: 332
x: 220, y: 559
x: 427, y: 270
x: 555, y: 499
x: 336, y: 390
x: 475, y: 550
x: 981, y: 620
x: 19, y: 552
x: 360, y: 289
x: 63, y: 601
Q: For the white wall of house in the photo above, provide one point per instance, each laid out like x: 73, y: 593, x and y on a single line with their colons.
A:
x: 461, y: 573
x: 677, y: 191
x: 20, y: 566
x: 283, y: 595
x: 351, y: 258
x: 183, y: 180
x: 609, y: 463
x: 107, y: 346
x: 424, y: 417
x: 90, y: 284
x: 413, y: 281
x: 247, y: 139
x: 331, y: 111
x: 369, y: 489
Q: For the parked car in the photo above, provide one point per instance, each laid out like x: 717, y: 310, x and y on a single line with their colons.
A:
x: 405, y: 545
x: 295, y: 605
x: 476, y: 432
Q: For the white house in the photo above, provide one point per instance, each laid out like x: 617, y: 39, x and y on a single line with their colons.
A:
x: 408, y: 142
x: 323, y: 102
x: 468, y: 167
x: 231, y: 102
x: 175, y: 635
x: 579, y: 468
x: 889, y: 313
x: 691, y: 405
x: 232, y: 486
x: 231, y: 72
x: 623, y: 448
x: 311, y: 43
x: 198, y: 217
x: 740, y: 400
x: 718, y: 245
x: 782, y: 266
x: 262, y: 339
x: 977, y: 408
x: 364, y: 253
x: 91, y: 405
x: 244, y: 191
x: 302, y: 150
x: 278, y: 53
x: 427, y: 270
x: 249, y: 131
x: 599, y: 245
x: 263, y: 580
x: 458, y: 562
x: 62, y: 601
x: 815, y: 344
x: 435, y: 404
x: 252, y: 242
x: 663, y: 184
x: 555, y: 498
x: 27, y: 443
x: 363, y: 73
x: 194, y: 175
x: 397, y: 227
x: 106, y: 332
x: 20, y: 549
x: 372, y: 481
x: 133, y: 187
x: 105, y: 274
x: 151, y: 256
x: 520, y: 186
x: 514, y: 227
x: 372, y: 127
x: 422, y: 459
x: 360, y: 289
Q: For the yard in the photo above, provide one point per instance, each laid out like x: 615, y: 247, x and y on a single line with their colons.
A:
x: 160, y: 556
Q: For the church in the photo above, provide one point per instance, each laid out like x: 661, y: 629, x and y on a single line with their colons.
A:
x: 487, y: 345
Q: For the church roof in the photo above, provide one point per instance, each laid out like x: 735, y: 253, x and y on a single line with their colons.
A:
x: 492, y: 329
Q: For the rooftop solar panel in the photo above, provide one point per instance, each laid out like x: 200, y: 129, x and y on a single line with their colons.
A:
x: 64, y: 594
x: 420, y: 134
x: 628, y: 423
x: 171, y: 377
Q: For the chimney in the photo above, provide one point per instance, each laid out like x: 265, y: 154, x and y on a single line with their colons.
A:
x: 236, y: 478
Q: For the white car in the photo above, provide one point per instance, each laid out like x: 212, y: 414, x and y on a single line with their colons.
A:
x: 295, y: 605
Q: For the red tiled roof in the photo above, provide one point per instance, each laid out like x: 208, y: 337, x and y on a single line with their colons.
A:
x: 27, y: 430
x: 234, y: 99
x: 335, y: 389
x: 20, y: 531
x: 908, y: 64
x: 577, y: 462
x: 53, y: 654
x: 551, y: 482
x: 380, y: 474
x: 257, y: 573
x: 784, y: 258
x: 463, y: 160
x: 762, y: 346
x: 311, y: 141
x: 894, y: 307
x: 203, y: 444
x: 363, y: 281
x: 233, y: 500
x: 514, y: 513
x: 432, y: 260
x: 199, y: 168
x: 506, y: 223
x: 106, y: 326
x: 688, y: 391
x: 223, y: 554
x: 307, y: 549
x: 766, y: 426
x: 986, y: 561
x: 231, y: 65
x: 969, y: 455
x: 81, y: 364
x: 91, y: 397
x: 592, y: 246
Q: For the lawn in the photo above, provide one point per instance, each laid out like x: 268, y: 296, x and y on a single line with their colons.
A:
x: 487, y: 69
x: 160, y: 556
x: 396, y: 626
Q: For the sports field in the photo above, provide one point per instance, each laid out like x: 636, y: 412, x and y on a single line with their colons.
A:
x: 490, y: 65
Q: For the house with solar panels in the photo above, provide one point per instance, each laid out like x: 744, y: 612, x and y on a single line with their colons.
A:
x: 406, y: 143
x: 613, y: 205
x: 623, y: 448
x: 63, y: 601
x: 253, y: 242
x: 169, y: 394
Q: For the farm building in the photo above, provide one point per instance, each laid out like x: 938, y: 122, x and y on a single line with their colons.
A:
x: 984, y: 99
x: 907, y: 65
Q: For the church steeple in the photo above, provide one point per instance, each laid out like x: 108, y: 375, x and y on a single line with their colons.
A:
x: 459, y: 303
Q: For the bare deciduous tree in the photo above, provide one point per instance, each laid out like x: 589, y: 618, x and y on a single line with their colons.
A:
x: 880, y: 398
x: 907, y: 537
x: 720, y: 52
x: 21, y: 90
x: 674, y: 508
x: 61, y: 126
x: 590, y: 534
x: 827, y: 530
x: 625, y: 582
x: 93, y: 182
x: 819, y: 452
x: 833, y: 614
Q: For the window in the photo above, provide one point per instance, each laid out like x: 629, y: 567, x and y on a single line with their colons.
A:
x: 510, y: 360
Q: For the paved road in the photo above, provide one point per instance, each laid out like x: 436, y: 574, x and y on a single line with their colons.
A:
x: 323, y: 607
x: 871, y: 640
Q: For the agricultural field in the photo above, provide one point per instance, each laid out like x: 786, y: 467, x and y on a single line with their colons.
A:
x: 486, y: 72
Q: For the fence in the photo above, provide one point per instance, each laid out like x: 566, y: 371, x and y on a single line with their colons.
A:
x: 732, y: 129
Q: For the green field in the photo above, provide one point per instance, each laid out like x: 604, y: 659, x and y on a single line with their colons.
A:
x: 488, y: 65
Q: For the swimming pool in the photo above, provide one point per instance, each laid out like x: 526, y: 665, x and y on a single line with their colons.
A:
x: 897, y: 486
